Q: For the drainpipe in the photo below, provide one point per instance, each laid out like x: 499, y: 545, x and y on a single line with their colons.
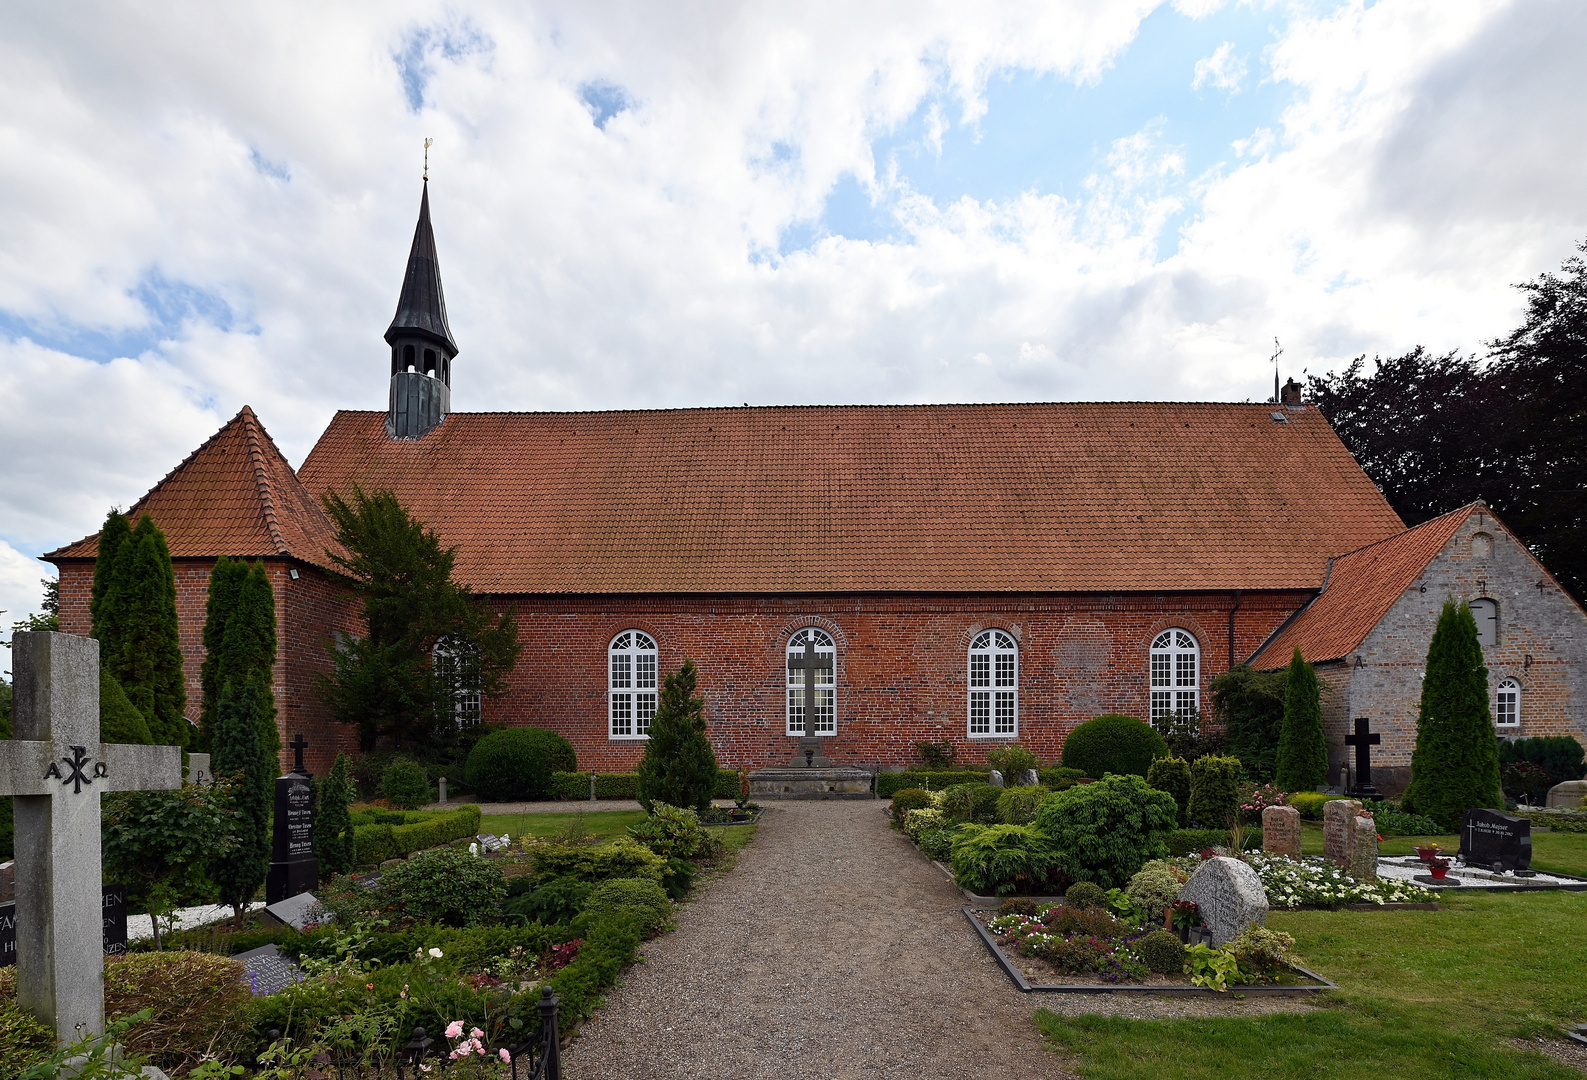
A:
x: 1232, y: 610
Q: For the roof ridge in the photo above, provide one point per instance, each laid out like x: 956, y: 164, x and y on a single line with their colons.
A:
x: 1264, y: 406
x: 253, y: 430
x: 1467, y: 509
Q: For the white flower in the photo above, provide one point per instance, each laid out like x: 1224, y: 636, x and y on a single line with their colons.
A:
x: 473, y: 849
x: 437, y: 953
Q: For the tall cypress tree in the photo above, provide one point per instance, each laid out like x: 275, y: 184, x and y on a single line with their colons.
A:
x: 248, y: 647
x: 239, y: 755
x: 143, y: 642
x: 678, y: 766
x: 333, y: 825
x: 102, y: 617
x: 1455, y: 766
x: 1302, y: 760
x: 225, y: 582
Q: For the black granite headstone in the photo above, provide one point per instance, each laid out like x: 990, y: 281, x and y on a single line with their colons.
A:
x: 1495, y: 841
x: 293, y: 867
x: 114, y: 937
x: 115, y: 933
x: 8, y: 933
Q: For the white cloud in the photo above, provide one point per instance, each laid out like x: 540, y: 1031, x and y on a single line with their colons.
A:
x: 226, y: 192
x: 1222, y: 69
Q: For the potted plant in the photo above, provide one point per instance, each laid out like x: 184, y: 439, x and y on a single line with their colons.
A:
x: 1439, y: 867
x: 1427, y: 852
x: 1181, y: 916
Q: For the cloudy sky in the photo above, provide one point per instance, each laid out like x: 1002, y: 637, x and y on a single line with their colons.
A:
x: 208, y: 205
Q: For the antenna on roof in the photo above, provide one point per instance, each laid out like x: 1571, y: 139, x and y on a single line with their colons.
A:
x: 1277, y: 352
x: 429, y: 142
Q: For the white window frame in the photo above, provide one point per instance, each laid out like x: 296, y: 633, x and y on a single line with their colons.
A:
x: 826, y: 684
x: 452, y: 663
x: 992, y: 686
x: 1507, y: 705
x: 1485, y: 609
x: 1174, y: 674
x: 632, y: 671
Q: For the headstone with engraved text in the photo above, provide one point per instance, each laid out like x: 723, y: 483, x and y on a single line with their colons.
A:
x: 1495, y: 841
x: 293, y: 867
x: 1281, y: 831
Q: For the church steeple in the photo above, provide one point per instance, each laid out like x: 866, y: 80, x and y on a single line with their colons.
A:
x: 421, y: 342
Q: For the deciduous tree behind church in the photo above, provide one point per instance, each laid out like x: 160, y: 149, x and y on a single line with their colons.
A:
x: 386, y: 683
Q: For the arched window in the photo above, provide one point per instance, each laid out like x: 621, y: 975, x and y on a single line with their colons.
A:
x: 457, y: 668
x: 631, y: 684
x: 1486, y: 612
x: 1507, y: 705
x: 429, y: 362
x: 994, y: 686
x: 407, y: 358
x: 1176, y: 675
x: 826, y: 684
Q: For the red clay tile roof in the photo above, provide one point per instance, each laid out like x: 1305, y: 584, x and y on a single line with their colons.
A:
x: 235, y: 495
x: 952, y: 498
x: 1362, y: 586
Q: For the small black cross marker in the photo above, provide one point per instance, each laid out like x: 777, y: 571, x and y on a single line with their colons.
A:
x: 298, y: 745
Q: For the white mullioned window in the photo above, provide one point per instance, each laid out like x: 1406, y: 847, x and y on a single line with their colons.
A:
x: 1507, y: 704
x: 457, y: 668
x: 631, y: 682
x: 826, y: 683
x: 994, y: 686
x: 1176, y: 675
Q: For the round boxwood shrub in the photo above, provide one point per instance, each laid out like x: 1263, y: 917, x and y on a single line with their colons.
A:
x: 517, y: 763
x: 643, y: 899
x: 1113, y: 744
x: 911, y: 798
x: 1154, y: 888
x: 405, y: 783
x: 1083, y: 894
x: 1106, y: 831
x: 447, y: 885
x: 1162, y: 951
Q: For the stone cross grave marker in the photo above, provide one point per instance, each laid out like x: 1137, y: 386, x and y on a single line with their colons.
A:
x: 811, y: 662
x: 55, y: 768
x: 1363, y: 741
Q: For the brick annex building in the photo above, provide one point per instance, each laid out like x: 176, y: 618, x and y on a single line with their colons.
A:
x: 978, y: 573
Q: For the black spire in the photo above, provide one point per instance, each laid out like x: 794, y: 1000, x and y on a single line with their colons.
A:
x: 421, y: 309
x: 421, y: 343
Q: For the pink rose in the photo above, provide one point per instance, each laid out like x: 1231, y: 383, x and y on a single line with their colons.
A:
x: 505, y: 1056
x: 454, y: 1029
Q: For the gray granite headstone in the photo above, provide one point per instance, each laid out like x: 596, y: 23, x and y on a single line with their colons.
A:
x: 1571, y: 795
x: 1029, y: 778
x: 1281, y: 831
x: 1230, y: 896
x: 198, y: 769
x: 268, y: 971
x: 295, y: 911
x: 1363, y: 848
x: 995, y: 779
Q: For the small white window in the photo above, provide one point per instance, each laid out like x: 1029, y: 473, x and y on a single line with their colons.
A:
x: 1507, y: 705
x: 457, y: 669
x: 994, y: 686
x: 1486, y: 612
x: 826, y: 686
x: 1176, y: 675
x: 632, y: 684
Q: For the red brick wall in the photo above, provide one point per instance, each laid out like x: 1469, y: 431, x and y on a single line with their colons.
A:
x: 901, y: 665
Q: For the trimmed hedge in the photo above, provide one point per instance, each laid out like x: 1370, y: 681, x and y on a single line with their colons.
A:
x: 890, y: 784
x: 1195, y: 841
x: 625, y: 785
x: 1059, y: 777
x: 1117, y: 744
x: 1310, y: 803
x: 1214, y: 791
x: 375, y: 844
x: 517, y: 763
x: 609, y: 946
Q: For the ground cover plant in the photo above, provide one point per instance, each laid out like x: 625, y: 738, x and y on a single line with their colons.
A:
x: 1423, y: 995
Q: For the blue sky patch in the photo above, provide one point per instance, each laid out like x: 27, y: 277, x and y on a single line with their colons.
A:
x: 415, y: 56
x: 604, y: 100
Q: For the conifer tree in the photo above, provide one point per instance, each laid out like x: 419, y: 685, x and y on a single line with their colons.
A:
x: 1455, y: 766
x: 678, y: 767
x: 333, y: 825
x: 248, y: 647
x: 1302, y: 760
x: 225, y: 581
x: 143, y: 645
x: 119, y: 720
x: 238, y: 755
x: 112, y: 538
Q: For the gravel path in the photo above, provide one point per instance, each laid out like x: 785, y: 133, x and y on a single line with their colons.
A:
x: 833, y: 950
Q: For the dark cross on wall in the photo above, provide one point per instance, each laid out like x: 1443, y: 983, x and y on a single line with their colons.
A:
x: 1364, y: 741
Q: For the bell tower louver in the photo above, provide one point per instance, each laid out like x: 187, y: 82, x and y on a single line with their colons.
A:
x: 421, y: 343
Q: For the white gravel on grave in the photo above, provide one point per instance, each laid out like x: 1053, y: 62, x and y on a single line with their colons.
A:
x: 141, y: 926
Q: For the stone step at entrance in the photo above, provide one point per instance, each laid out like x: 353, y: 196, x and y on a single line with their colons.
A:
x: 789, y: 782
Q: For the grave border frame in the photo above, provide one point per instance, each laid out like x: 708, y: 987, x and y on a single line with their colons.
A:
x: 1028, y: 987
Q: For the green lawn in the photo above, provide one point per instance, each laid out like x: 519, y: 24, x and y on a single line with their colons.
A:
x: 1422, y: 994
x: 602, y: 825
x: 1552, y: 852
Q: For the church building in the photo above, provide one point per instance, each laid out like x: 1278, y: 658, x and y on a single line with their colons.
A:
x: 974, y: 573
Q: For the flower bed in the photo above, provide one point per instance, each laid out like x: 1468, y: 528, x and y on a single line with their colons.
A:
x: 1297, y: 883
